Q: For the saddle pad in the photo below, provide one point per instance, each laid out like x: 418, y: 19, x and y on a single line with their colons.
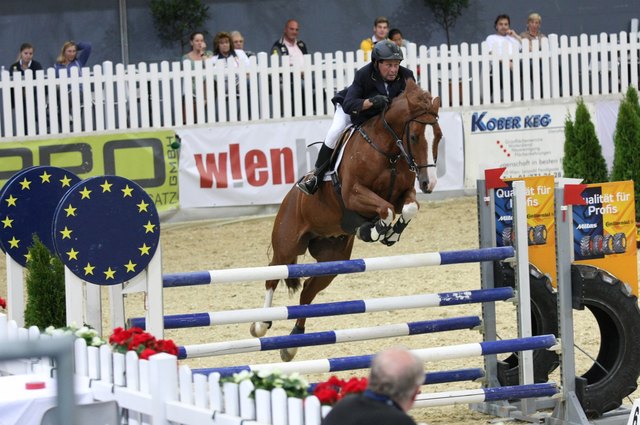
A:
x: 327, y: 176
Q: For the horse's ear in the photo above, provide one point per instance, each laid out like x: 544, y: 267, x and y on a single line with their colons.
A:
x: 436, y: 103
x: 411, y: 85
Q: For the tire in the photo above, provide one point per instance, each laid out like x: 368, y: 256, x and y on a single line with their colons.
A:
x: 540, y: 235
x: 619, y: 243
x: 507, y: 236
x: 607, y: 245
x: 598, y: 245
x: 585, y: 246
x: 544, y: 321
x: 616, y: 311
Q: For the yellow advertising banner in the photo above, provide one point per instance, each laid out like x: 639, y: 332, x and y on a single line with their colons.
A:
x: 604, y: 230
x: 143, y: 157
x: 541, y: 234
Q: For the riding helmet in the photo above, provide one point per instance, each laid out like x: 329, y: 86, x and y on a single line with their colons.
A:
x: 386, y: 50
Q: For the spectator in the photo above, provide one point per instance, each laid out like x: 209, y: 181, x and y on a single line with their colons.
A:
x: 380, y: 31
x: 224, y: 51
x: 363, y: 99
x: 289, y: 44
x: 533, y: 29
x: 72, y: 55
x: 238, y: 43
x: 199, y: 50
x: 394, y: 382
x: 395, y: 35
x: 25, y: 60
x: 504, y: 37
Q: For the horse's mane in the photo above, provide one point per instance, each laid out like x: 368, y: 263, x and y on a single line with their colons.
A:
x: 412, y: 102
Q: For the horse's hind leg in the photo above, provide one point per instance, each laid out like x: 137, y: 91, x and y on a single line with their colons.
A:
x: 259, y: 329
x: 325, y: 249
x: 287, y: 242
x: 409, y: 211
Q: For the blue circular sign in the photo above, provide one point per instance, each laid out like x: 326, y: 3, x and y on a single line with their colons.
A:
x: 106, y: 230
x: 27, y: 203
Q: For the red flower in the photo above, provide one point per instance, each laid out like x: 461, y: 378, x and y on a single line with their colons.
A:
x: 143, y: 343
x: 146, y: 353
x: 326, y: 394
x: 166, y: 346
x: 354, y: 385
x: 334, y: 389
x: 3, y: 303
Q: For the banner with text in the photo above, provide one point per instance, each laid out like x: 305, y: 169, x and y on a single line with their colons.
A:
x: 604, y: 230
x: 528, y: 141
x: 257, y: 164
x: 541, y: 235
x: 245, y: 164
x: 143, y: 157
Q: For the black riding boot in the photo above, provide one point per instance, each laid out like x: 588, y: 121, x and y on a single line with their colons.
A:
x: 309, y: 183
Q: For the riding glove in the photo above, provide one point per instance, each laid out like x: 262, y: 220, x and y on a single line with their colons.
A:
x: 379, y: 101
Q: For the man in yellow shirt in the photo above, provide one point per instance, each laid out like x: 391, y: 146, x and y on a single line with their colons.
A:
x: 380, y: 31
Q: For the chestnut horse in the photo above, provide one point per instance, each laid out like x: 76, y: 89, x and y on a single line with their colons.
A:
x: 374, y: 182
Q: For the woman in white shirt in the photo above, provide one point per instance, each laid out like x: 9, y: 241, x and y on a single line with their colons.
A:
x: 223, y: 51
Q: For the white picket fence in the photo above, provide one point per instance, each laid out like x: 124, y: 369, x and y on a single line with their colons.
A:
x: 168, y: 95
x: 157, y: 391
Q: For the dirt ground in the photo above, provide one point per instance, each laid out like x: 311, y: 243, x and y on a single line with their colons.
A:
x: 441, y: 226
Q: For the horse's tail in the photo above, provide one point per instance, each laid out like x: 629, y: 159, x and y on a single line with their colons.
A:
x: 293, y: 284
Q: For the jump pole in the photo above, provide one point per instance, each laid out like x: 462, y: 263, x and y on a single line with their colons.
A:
x: 327, y: 337
x: 425, y: 354
x: 337, y: 267
x: 330, y: 309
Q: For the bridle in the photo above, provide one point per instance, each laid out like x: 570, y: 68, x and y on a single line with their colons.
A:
x: 403, y: 153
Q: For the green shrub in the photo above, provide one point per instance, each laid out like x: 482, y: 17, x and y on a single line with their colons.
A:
x: 175, y: 20
x: 626, y: 159
x: 45, y: 288
x: 582, y: 151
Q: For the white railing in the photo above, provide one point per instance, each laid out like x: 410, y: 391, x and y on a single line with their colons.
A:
x: 169, y: 95
x: 157, y: 391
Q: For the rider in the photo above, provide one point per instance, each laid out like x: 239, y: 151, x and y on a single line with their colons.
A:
x: 373, y: 87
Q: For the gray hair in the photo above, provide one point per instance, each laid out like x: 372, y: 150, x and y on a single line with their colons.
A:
x: 534, y: 17
x: 396, y: 372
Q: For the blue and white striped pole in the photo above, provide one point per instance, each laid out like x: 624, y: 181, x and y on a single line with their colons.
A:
x: 444, y: 376
x: 330, y: 309
x: 516, y: 392
x: 426, y: 354
x: 327, y: 337
x: 337, y: 267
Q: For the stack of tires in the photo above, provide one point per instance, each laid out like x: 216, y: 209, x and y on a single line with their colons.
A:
x: 615, y: 371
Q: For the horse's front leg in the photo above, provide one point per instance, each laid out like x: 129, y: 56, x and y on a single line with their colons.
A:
x: 410, y: 209
x: 366, y: 202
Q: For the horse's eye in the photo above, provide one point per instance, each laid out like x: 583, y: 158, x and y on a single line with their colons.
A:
x: 414, y: 139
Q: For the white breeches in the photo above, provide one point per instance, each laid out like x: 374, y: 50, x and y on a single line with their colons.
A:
x: 339, y: 123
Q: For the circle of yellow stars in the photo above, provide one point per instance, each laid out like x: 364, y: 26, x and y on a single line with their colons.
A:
x: 12, y: 202
x: 90, y: 269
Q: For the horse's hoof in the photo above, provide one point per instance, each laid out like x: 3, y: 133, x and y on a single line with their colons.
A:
x: 287, y: 354
x: 259, y: 329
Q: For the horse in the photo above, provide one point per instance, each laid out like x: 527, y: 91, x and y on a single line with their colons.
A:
x: 372, y: 184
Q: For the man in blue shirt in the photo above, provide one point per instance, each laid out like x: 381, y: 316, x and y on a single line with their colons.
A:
x: 394, y: 382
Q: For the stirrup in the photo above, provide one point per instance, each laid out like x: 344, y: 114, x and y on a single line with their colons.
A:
x: 308, y: 184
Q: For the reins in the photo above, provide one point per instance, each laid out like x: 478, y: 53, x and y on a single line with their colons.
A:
x: 407, y: 156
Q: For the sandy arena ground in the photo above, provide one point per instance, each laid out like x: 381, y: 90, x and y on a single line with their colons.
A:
x: 440, y: 226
